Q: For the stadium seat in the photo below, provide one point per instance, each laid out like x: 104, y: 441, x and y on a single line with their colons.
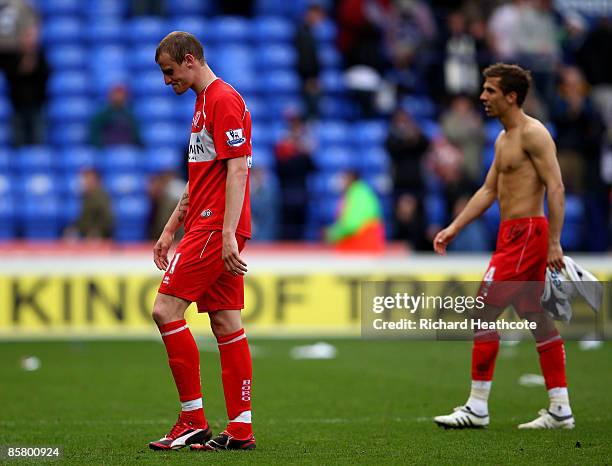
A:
x: 41, y: 217
x: 69, y: 134
x: 492, y: 130
x: 105, y: 30
x: 332, y: 82
x: 329, y: 56
x: 7, y: 216
x: 232, y: 29
x: 105, y: 8
x: 188, y: 7
x: 325, y: 31
x: 6, y: 185
x: 435, y: 210
x: 148, y: 84
x: 370, y: 133
x: 32, y: 159
x: 335, y: 158
x: 110, y: 56
x: 6, y: 134
x: 571, y: 235
x: 202, y: 29
x: 263, y: 157
x: 155, y: 108
x: 6, y: 110
x: 58, y: 7
x: 372, y: 159
x: 332, y: 132
x: 420, y: 107
x: 126, y: 184
x: 63, y: 30
x: 380, y: 182
x: 71, y: 109
x: 430, y: 128
x: 143, y: 58
x: 165, y: 135
x: 281, y: 82
x: 332, y: 107
x: 106, y: 79
x: 69, y: 186
x: 131, y: 214
x: 66, y: 57
x: 282, y: 105
x: 7, y: 158
x: 37, y: 184
x: 273, y: 29
x: 160, y: 159
x: 73, y: 160
x: 71, y: 208
x: 272, y: 56
x: 69, y: 84
x: 121, y: 159
x: 147, y: 30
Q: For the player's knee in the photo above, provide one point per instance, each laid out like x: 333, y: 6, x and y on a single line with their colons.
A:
x: 159, y: 315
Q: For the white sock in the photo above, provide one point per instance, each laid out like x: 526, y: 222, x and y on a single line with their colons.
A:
x: 559, y: 401
x: 244, y: 416
x: 191, y: 405
x: 479, y: 397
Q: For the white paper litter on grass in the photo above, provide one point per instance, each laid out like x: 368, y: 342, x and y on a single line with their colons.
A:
x: 531, y: 380
x: 319, y: 350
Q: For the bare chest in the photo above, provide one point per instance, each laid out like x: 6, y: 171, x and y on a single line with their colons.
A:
x: 510, y: 157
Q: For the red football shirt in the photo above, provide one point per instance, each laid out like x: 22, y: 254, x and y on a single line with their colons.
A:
x: 221, y: 129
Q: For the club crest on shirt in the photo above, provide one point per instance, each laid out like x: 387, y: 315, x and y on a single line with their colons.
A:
x: 235, y: 137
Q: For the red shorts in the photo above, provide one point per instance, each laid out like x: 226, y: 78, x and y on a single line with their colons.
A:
x: 197, y: 273
x: 520, y: 256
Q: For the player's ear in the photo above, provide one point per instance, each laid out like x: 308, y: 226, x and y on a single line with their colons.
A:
x: 511, y: 97
x: 189, y: 60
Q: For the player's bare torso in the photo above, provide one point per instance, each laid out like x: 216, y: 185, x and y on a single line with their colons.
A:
x: 520, y: 190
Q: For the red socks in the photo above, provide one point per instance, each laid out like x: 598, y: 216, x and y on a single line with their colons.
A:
x: 552, y: 361
x: 236, y: 373
x: 484, y: 353
x: 184, y: 360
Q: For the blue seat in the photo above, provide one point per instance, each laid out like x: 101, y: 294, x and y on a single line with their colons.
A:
x: 73, y: 160
x: 109, y: 56
x: 106, y: 79
x: 41, y: 217
x: 436, y: 212
x: 131, y: 213
x: 33, y: 159
x: 70, y: 211
x: 7, y: 217
x: 69, y: 83
x: 71, y: 109
x: 333, y: 107
x: 263, y: 157
x: 59, y: 7
x: 7, y: 158
x: 273, y: 29
x: 143, y: 57
x: 147, y: 30
x: 6, y: 133
x: 67, y: 56
x: 370, y: 133
x: 492, y: 129
x: 148, y: 84
x: 121, y: 159
x: 188, y: 7
x: 6, y: 110
x: 105, y: 8
x: 335, y: 158
x: 199, y: 27
x: 283, y: 104
x: 332, y: 132
x: 160, y: 159
x: 258, y: 107
x: 165, y: 135
x: 105, y: 30
x: 325, y: 31
x: 420, y: 107
x: 7, y: 187
x: 329, y: 56
x: 69, y: 186
x: 281, y: 82
x: 126, y: 184
x: 373, y: 159
x: 63, y: 30
x: 38, y: 184
x: 154, y: 109
x: 332, y: 82
x: 69, y: 134
x: 430, y: 128
x: 572, y: 233
x: 232, y: 29
x: 276, y: 56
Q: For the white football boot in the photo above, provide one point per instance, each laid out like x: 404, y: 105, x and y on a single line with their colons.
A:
x: 547, y: 420
x: 462, y: 417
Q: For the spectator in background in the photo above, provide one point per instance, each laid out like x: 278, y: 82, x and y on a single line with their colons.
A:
x: 503, y: 27
x: 165, y: 190
x: 27, y: 77
x: 294, y: 165
x: 580, y: 132
x: 16, y: 17
x: 359, y: 227
x: 265, y: 199
x: 308, y: 64
x: 96, y: 217
x: 115, y: 123
x: 463, y: 127
x: 406, y: 145
x: 409, y: 222
x: 461, y: 72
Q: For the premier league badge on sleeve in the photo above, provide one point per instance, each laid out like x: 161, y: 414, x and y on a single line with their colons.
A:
x: 235, y: 137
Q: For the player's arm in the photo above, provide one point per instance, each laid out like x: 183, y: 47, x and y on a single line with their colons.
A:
x: 478, y: 203
x: 540, y: 146
x: 237, y: 173
x: 160, y: 251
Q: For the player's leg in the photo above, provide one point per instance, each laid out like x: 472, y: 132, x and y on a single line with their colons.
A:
x: 551, y: 351
x: 475, y: 412
x: 184, y: 361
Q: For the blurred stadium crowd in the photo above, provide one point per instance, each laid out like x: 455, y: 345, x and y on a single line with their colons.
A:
x: 92, y: 143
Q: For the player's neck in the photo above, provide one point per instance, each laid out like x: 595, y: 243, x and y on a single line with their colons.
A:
x: 512, y: 118
x: 206, y: 77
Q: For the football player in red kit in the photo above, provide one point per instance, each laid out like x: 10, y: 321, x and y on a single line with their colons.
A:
x: 207, y: 267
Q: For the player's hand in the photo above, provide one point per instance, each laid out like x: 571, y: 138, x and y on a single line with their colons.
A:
x: 442, y: 240
x: 555, y: 256
x: 160, y: 251
x: 231, y: 255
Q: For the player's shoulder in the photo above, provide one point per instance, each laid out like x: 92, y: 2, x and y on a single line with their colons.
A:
x: 223, y: 90
x: 533, y: 128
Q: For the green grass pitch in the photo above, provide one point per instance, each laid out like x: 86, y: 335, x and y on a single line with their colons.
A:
x: 372, y: 404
